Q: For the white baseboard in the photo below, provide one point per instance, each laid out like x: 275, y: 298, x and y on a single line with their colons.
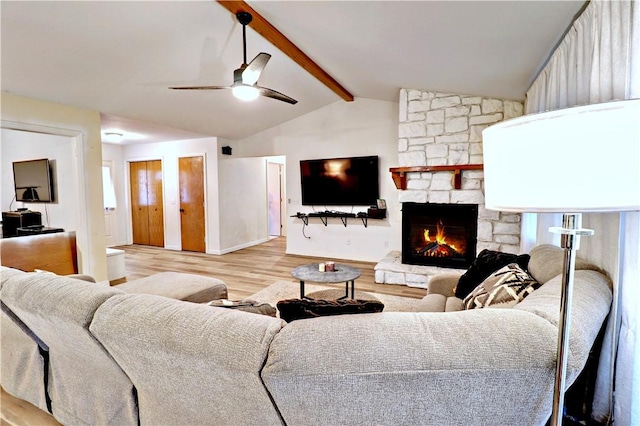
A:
x: 239, y: 247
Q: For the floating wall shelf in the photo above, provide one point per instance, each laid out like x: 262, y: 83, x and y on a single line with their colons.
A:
x: 324, y: 217
x: 399, y: 174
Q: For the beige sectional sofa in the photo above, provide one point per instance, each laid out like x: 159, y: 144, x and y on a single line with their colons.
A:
x: 121, y: 358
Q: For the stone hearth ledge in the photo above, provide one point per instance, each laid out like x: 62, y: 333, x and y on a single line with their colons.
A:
x: 391, y: 270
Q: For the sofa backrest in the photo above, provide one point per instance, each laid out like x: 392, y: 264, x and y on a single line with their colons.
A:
x: 590, y: 305
x: 6, y: 273
x: 473, y: 367
x: 190, y: 363
x: 86, y: 385
x: 547, y: 261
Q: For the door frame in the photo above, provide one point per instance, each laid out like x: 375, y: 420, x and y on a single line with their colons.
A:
x: 270, y: 182
x: 127, y: 194
x: 206, y: 193
x: 78, y: 148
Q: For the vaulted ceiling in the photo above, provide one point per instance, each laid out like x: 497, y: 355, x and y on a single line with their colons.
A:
x: 120, y: 57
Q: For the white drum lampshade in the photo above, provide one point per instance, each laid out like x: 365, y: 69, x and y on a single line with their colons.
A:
x: 582, y: 159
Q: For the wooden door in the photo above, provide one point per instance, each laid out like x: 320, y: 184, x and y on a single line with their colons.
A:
x: 139, y: 202
x: 147, y: 213
x: 154, y: 194
x: 192, y: 220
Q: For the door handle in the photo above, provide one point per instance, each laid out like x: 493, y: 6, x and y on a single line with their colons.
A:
x: 181, y: 210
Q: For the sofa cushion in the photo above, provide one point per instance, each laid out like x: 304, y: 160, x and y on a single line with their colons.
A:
x: 176, y: 285
x: 294, y: 309
x: 547, y: 262
x: 503, y: 289
x: 487, y: 262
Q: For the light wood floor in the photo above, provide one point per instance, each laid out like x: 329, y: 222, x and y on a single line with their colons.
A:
x: 245, y: 272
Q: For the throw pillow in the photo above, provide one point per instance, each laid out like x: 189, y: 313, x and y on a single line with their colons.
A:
x: 503, y: 289
x: 294, y: 309
x: 488, y: 261
x: 245, y: 305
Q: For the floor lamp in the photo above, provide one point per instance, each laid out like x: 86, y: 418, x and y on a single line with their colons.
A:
x: 570, y: 161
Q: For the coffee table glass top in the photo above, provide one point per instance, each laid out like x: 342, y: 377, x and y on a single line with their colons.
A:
x: 310, y: 272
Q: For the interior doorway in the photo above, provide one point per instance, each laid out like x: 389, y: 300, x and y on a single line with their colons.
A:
x: 147, y: 212
x: 192, y: 212
x: 109, y: 202
x: 276, y: 198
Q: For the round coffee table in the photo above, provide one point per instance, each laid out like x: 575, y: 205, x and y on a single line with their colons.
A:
x: 342, y: 273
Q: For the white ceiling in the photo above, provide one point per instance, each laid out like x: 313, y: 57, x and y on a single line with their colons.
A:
x: 119, y: 57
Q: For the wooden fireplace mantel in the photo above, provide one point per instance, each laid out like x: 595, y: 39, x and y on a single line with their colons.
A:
x: 399, y: 174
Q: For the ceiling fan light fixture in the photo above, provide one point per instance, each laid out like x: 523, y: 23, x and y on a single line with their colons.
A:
x: 245, y: 92
x: 245, y: 79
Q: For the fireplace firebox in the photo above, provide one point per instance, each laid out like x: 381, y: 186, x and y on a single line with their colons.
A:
x: 442, y: 235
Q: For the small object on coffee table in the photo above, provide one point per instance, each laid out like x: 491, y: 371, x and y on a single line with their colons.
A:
x: 341, y: 273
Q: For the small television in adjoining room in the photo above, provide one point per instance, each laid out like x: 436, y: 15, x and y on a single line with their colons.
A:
x: 351, y: 181
x: 32, y: 181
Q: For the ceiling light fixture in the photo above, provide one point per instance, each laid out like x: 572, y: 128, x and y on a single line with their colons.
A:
x: 245, y: 92
x: 113, y: 137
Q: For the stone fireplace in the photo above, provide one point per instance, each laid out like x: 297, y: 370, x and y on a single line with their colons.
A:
x: 439, y: 234
x: 444, y: 129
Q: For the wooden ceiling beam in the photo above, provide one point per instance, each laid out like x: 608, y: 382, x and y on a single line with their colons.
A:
x: 275, y: 37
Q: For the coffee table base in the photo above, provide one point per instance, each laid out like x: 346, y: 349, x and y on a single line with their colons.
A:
x: 346, y: 290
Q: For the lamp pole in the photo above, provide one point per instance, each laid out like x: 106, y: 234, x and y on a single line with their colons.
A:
x: 570, y: 232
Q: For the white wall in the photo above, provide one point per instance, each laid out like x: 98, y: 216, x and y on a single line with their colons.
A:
x: 243, y: 202
x: 82, y: 127
x: 342, y: 129
x: 168, y: 153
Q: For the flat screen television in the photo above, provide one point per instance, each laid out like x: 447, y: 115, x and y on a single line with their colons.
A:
x: 351, y: 181
x: 32, y: 181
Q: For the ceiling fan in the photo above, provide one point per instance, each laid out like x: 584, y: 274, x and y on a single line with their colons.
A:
x: 246, y: 77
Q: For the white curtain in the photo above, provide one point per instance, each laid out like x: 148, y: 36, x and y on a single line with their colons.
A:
x: 598, y: 61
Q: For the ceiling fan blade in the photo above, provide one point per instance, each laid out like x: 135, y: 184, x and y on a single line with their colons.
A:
x: 269, y: 93
x: 252, y: 72
x: 200, y: 88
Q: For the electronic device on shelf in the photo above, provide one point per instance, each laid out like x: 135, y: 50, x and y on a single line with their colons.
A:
x: 11, y: 221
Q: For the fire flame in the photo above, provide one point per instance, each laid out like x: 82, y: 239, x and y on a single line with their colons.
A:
x: 440, y: 236
x: 440, y: 233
